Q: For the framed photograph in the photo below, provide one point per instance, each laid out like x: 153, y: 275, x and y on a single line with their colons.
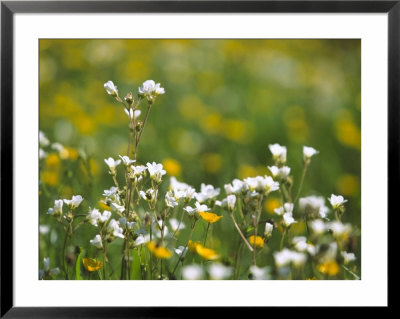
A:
x: 165, y: 154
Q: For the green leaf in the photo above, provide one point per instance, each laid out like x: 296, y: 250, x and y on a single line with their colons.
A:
x: 78, y: 265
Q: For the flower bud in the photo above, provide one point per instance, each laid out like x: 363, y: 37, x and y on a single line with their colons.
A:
x: 129, y: 98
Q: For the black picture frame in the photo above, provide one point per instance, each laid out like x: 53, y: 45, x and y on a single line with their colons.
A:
x: 9, y: 8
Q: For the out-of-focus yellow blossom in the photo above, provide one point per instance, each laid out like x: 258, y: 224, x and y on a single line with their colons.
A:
x: 312, y: 278
x: 191, y: 107
x: 212, y: 162
x: 246, y: 171
x: 210, y: 218
x: 91, y: 264
x: 192, y: 245
x: 259, y: 242
x: 85, y: 124
x: 211, y: 123
x: 159, y: 251
x: 52, y: 160
x: 348, y: 185
x: 270, y: 204
x: 50, y: 178
x: 103, y: 206
x: 237, y: 130
x: 348, y: 133
x: 206, y: 253
x: 330, y: 268
x: 297, y: 129
x: 172, y: 166
x: 298, y: 228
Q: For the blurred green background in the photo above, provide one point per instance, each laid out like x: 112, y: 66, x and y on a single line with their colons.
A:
x: 225, y: 101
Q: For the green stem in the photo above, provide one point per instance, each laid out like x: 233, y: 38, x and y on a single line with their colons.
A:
x: 205, y: 238
x: 301, y: 182
x: 283, y: 238
x: 240, y: 233
x: 187, y: 243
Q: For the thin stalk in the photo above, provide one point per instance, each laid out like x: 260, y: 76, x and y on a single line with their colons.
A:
x: 205, y: 238
x: 283, y: 238
x: 240, y: 233
x: 187, y: 243
x: 301, y: 182
x: 352, y: 273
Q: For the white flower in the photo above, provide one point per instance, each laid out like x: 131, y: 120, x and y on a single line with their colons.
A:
x: 46, y: 269
x: 283, y: 257
x: 170, y: 200
x: 286, y: 256
x: 286, y: 208
x: 111, y: 88
x: 175, y: 224
x: 140, y: 240
x: 149, y: 195
x: 201, y: 207
x: 318, y: 226
x: 93, y: 216
x: 138, y: 170
x: 150, y: 90
x: 235, y: 188
x: 278, y: 152
x: 181, y: 251
x: 114, y: 227
x: 181, y: 190
x: 110, y: 192
x: 218, y: 271
x: 44, y: 229
x: 231, y: 201
x: 97, y: 242
x: 118, y: 208
x: 348, y: 257
x: 156, y: 171
x: 104, y: 217
x: 268, y: 229
x: 74, y: 202
x: 133, y: 114
x: 300, y: 243
x: 337, y: 201
x: 313, y: 206
x: 288, y: 219
x: 43, y: 140
x: 126, y: 160
x: 338, y: 228
x: 207, y: 192
x: 190, y: 210
x: 192, y: 272
x: 259, y: 273
x: 112, y: 164
x: 308, y: 152
x: 56, y: 210
x: 42, y: 154
x: 261, y: 184
x: 279, y: 172
x: 298, y: 259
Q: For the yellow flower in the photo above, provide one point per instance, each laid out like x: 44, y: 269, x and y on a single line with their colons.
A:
x: 52, y: 160
x: 91, y: 264
x: 192, y: 245
x: 159, y: 251
x: 312, y: 278
x: 172, y: 167
x: 259, y: 242
x: 206, y: 253
x: 330, y: 268
x: 210, y: 217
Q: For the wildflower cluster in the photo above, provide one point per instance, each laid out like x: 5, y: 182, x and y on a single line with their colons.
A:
x: 156, y: 229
